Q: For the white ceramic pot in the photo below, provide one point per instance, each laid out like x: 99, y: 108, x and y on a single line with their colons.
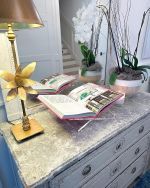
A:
x: 129, y: 87
x: 90, y: 76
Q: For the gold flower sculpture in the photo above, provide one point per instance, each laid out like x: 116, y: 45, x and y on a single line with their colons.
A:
x: 19, y: 84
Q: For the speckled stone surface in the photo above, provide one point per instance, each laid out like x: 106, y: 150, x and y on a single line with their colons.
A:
x: 61, y: 145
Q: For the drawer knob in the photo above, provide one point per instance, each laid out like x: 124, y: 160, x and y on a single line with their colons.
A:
x: 137, y: 151
x: 133, y: 170
x: 118, y: 146
x: 141, y: 129
x: 115, y: 170
x: 86, y: 170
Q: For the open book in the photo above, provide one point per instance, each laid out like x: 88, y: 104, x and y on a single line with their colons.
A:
x: 54, y: 85
x: 84, y: 101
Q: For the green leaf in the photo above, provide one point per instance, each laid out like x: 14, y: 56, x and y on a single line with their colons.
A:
x: 122, y: 56
x: 135, y: 62
x: 84, y: 50
x: 91, y: 57
x: 112, y: 78
x: 128, y: 63
x: 144, y: 71
x: 83, y: 71
x: 144, y: 66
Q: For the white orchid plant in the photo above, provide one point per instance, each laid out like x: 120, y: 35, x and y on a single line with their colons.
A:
x: 87, y: 25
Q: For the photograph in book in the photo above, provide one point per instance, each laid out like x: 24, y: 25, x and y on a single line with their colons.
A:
x: 53, y: 85
x: 84, y: 101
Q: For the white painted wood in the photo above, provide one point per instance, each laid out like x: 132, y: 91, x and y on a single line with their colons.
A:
x: 43, y: 44
x: 103, y: 156
x: 127, y: 177
x: 146, y: 46
x: 13, y: 108
x: 117, y: 166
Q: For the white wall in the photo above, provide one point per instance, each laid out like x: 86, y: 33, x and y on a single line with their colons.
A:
x: 70, y: 7
x: 135, y: 17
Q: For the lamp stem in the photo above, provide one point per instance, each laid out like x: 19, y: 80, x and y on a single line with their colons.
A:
x: 23, y: 108
x: 11, y: 37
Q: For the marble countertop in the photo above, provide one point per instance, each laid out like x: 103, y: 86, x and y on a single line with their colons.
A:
x: 61, y: 145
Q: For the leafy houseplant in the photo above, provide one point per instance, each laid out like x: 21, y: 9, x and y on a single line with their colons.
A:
x: 127, y: 69
x: 88, y: 62
x: 87, y: 29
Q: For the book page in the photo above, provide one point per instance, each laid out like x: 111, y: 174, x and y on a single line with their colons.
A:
x: 94, y: 97
x: 39, y: 87
x: 64, y: 106
x: 86, y: 91
x: 58, y: 81
x: 99, y: 102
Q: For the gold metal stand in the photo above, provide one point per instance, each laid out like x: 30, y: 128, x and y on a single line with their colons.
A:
x: 28, y: 127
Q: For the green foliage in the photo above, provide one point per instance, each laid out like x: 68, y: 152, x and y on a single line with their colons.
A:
x: 129, y: 60
x: 83, y: 71
x: 89, y: 57
x: 112, y: 78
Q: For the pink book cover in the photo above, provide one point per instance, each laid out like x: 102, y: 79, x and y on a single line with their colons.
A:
x: 97, y: 115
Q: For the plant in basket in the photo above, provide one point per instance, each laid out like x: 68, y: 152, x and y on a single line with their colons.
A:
x: 87, y: 25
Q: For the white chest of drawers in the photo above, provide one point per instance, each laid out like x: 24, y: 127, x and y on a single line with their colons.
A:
x: 128, y: 150
x: 111, y: 152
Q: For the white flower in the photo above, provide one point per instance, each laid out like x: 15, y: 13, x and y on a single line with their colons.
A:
x: 83, y: 22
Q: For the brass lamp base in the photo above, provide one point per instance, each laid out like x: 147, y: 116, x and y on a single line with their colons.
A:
x: 20, y: 134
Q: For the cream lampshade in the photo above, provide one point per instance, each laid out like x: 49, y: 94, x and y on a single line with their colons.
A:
x: 22, y: 14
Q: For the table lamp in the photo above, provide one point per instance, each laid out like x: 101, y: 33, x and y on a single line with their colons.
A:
x: 16, y: 15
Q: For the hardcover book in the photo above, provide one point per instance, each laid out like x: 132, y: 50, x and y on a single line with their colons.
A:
x: 54, y: 85
x: 84, y: 101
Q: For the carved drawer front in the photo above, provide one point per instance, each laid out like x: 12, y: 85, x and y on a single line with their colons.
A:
x: 90, y: 165
x: 130, y: 174
x: 109, y: 173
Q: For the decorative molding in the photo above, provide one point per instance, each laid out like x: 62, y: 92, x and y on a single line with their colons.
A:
x: 146, y: 46
x: 13, y: 108
x: 68, y: 37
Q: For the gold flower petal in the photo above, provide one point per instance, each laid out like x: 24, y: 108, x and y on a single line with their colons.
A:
x: 31, y: 91
x: 27, y: 82
x: 22, y: 93
x: 6, y: 76
x: 28, y: 70
x: 11, y: 95
x: 11, y: 85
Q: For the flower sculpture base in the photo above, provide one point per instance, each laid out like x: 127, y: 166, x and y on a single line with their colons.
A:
x: 20, y: 134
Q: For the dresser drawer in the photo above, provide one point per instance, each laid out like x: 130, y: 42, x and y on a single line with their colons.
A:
x: 130, y: 174
x: 83, y: 170
x: 109, y: 173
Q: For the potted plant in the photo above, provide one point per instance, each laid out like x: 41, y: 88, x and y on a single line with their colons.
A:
x: 90, y: 69
x: 87, y: 29
x: 127, y: 76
